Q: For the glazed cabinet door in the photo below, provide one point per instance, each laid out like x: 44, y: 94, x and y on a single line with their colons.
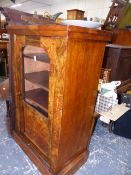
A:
x: 30, y: 67
x: 35, y: 82
x: 36, y: 69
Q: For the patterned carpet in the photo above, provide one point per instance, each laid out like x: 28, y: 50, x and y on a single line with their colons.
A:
x: 109, y: 154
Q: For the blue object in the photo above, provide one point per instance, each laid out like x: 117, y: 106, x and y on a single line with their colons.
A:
x: 122, y: 126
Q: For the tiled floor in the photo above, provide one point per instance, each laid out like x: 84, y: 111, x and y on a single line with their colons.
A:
x: 109, y: 154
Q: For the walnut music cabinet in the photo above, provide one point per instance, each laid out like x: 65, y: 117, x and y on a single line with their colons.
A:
x: 54, y: 72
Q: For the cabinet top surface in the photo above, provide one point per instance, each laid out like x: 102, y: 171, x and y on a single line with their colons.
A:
x: 60, y: 30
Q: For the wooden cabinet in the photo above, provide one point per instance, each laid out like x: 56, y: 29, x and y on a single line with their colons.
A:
x: 75, y: 14
x: 54, y: 72
x: 118, y: 59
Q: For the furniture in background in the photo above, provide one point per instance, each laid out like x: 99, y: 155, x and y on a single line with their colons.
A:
x: 121, y: 37
x: 1, y: 32
x: 2, y: 28
x: 19, y: 17
x: 118, y: 59
x: 4, y: 94
x: 115, y: 13
x: 115, y: 114
x: 105, y: 75
x: 75, y: 14
x: 4, y: 71
x: 118, y: 53
x: 125, y: 86
x: 123, y: 89
x: 125, y: 20
x: 54, y: 81
x: 4, y: 89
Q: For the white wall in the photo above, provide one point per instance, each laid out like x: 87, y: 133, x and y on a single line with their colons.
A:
x: 92, y: 8
x: 40, y: 10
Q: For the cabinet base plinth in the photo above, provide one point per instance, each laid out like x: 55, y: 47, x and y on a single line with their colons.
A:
x: 43, y: 166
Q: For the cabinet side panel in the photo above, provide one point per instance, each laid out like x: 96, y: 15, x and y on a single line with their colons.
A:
x: 81, y: 80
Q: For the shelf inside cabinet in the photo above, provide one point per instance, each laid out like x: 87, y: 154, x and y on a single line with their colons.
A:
x: 39, y: 78
x: 38, y: 56
x: 37, y: 98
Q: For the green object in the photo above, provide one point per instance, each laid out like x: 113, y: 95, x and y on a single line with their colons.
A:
x: 126, y: 17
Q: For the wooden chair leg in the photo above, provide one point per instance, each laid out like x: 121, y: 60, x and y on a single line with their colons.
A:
x: 110, y: 125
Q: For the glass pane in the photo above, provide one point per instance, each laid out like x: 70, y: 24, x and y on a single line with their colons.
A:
x: 36, y: 78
